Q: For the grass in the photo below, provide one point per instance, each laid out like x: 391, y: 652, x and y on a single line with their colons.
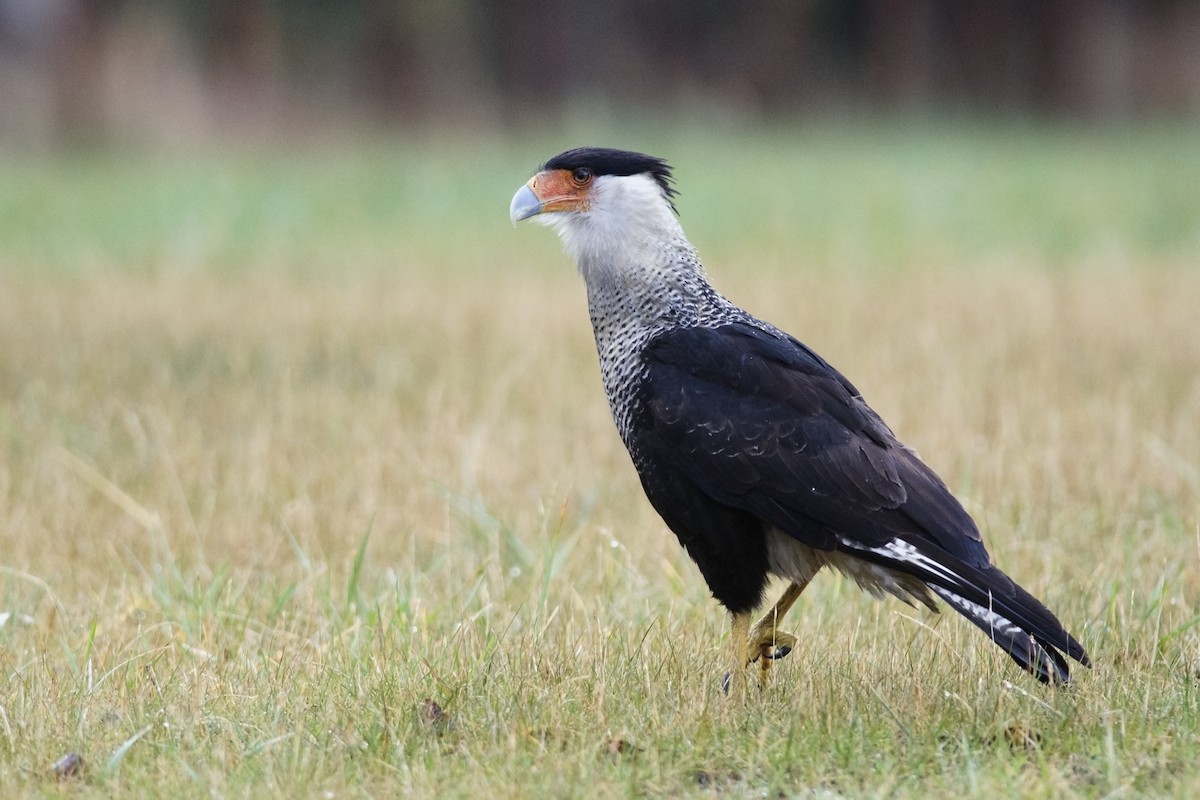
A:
x: 308, y: 487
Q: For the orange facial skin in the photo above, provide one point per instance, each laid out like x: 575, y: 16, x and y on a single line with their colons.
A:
x: 561, y: 190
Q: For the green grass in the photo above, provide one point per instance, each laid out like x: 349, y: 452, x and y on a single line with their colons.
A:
x: 823, y: 195
x: 296, y: 444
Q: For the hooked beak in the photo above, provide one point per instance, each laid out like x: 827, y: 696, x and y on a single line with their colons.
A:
x: 548, y: 191
x: 525, y: 204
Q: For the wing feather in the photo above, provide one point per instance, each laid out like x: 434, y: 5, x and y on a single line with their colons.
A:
x: 757, y: 422
x: 761, y: 422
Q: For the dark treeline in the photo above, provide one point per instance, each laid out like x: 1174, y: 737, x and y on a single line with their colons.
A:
x: 79, y: 69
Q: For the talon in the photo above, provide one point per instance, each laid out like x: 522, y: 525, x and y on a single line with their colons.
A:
x: 728, y: 679
x: 769, y: 644
x: 779, y: 652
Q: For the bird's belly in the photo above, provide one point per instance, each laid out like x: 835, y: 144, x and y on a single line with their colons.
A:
x: 792, y: 560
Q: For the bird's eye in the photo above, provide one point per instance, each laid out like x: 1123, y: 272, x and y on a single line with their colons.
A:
x: 581, y: 175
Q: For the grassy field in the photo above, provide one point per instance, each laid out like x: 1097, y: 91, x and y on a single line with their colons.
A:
x: 308, y: 485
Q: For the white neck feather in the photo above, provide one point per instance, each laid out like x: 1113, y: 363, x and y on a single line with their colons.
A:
x: 642, y: 275
x: 629, y: 244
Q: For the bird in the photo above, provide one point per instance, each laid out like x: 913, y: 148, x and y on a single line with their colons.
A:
x: 762, y: 458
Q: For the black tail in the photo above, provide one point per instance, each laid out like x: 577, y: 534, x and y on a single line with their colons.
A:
x: 1023, y: 628
x: 1013, y: 618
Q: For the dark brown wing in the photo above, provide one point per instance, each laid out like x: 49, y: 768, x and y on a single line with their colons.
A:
x: 762, y: 423
x: 755, y: 421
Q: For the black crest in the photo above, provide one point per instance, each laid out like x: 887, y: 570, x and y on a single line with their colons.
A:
x: 607, y: 161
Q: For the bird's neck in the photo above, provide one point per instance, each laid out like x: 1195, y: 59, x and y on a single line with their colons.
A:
x: 656, y: 289
x: 649, y: 288
x: 643, y: 277
x: 633, y: 254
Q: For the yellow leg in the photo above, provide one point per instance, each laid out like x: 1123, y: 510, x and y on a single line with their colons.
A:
x: 766, y: 642
x: 735, y: 681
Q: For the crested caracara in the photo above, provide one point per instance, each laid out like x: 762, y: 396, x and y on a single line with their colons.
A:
x: 761, y: 457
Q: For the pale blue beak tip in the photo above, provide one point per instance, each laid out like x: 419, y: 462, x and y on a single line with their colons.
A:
x: 524, y: 205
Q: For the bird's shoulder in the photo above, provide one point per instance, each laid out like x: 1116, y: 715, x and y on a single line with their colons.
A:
x: 755, y: 369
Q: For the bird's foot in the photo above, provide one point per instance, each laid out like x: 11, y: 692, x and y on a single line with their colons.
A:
x: 763, y: 642
x: 765, y: 645
x: 769, y: 644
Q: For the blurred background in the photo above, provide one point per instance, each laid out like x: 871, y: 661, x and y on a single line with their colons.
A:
x: 279, y: 382
x: 176, y: 71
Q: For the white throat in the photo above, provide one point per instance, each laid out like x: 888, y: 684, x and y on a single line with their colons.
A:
x: 627, y: 232
x: 638, y: 264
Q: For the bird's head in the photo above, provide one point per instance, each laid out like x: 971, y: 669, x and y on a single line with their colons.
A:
x: 596, y: 198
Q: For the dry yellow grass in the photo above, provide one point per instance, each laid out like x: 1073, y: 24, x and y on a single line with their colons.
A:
x: 193, y: 460
x: 192, y: 465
